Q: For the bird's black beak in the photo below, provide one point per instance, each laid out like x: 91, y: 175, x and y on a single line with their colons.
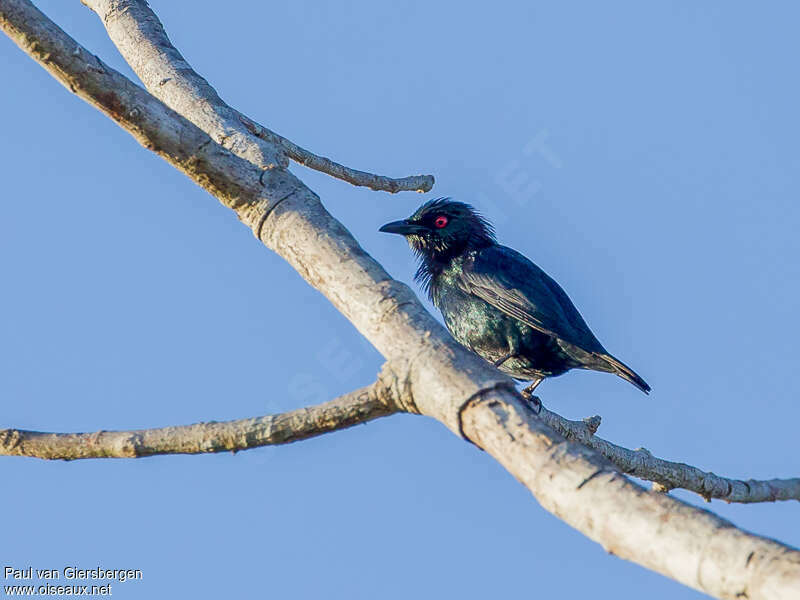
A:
x: 402, y: 227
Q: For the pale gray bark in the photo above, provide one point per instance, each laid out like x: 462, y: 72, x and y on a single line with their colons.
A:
x: 380, y: 399
x: 669, y: 475
x: 359, y: 406
x: 652, y: 529
x: 444, y: 380
x: 140, y: 37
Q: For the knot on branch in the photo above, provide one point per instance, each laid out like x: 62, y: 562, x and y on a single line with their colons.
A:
x: 277, y: 184
x: 394, y: 387
x: 593, y: 423
x: 486, y: 394
x: 9, y: 439
x: 130, y: 446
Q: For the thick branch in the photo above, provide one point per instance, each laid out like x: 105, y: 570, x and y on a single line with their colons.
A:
x: 140, y: 37
x: 586, y: 491
x: 446, y: 381
x: 233, y: 180
x: 669, y: 475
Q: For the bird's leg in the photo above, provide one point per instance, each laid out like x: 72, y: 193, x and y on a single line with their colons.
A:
x: 533, y: 401
x: 500, y: 361
x: 513, y: 350
x: 528, y: 391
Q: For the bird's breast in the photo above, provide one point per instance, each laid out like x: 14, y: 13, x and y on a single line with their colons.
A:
x: 494, y: 335
x: 476, y: 324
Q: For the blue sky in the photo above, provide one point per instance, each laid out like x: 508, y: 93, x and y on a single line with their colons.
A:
x: 645, y: 155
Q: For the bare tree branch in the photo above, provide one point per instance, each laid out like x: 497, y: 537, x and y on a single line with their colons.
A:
x: 380, y: 183
x: 234, y: 181
x: 140, y: 37
x: 368, y: 403
x: 360, y: 406
x: 445, y: 381
x: 669, y: 475
x: 655, y: 530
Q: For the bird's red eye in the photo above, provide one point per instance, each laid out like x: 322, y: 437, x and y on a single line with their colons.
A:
x: 440, y: 222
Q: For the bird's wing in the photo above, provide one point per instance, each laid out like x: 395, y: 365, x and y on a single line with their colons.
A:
x: 513, y: 284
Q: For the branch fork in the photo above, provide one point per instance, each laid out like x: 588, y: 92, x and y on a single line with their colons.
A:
x: 183, y: 119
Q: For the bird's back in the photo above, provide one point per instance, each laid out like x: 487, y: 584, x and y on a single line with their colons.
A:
x: 495, y: 301
x: 511, y: 282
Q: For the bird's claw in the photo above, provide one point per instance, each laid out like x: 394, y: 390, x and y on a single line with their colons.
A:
x: 532, y: 402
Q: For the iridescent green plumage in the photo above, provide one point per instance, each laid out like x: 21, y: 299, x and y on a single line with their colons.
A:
x: 498, y: 303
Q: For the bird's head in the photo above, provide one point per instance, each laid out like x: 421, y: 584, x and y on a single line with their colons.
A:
x: 443, y: 228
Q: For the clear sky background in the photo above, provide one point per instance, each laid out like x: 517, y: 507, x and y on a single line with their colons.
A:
x: 666, y: 204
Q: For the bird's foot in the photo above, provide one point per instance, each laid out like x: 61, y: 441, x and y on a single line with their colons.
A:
x: 532, y: 402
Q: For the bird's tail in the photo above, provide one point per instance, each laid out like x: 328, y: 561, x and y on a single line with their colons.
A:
x: 620, y: 368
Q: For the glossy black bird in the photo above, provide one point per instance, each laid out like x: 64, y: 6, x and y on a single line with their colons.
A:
x: 498, y: 303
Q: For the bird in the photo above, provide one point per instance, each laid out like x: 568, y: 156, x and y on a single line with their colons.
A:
x: 496, y: 302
